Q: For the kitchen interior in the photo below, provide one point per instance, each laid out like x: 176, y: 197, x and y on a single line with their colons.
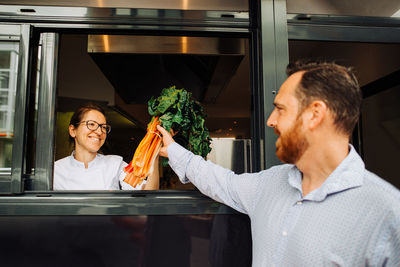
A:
x: 122, y: 72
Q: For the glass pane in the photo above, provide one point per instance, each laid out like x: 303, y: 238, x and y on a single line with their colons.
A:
x: 4, y: 79
x: 8, y: 78
x: 5, y: 59
x: 5, y: 154
x: 3, y: 119
x: 3, y: 97
x: 380, y: 115
x: 380, y: 72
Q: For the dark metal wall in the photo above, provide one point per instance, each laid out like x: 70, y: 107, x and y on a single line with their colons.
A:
x: 176, y: 241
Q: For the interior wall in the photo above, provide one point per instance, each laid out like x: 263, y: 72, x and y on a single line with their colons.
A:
x: 230, y: 115
x: 381, y: 134
x: 370, y: 61
x: 380, y: 113
x: 78, y: 74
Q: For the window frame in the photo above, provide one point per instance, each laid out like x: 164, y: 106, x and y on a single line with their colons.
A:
x: 12, y: 183
x: 256, y: 25
x: 42, y: 180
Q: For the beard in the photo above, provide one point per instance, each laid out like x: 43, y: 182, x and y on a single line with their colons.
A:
x: 292, y: 144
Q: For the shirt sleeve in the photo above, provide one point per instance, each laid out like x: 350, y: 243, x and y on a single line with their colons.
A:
x: 124, y: 185
x: 237, y: 191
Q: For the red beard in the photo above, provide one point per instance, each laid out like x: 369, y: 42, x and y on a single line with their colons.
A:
x: 291, y: 145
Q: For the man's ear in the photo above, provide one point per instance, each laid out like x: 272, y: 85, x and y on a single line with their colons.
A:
x: 317, y: 112
x: 71, y: 130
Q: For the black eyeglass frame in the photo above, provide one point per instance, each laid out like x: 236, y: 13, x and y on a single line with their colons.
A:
x: 106, y: 130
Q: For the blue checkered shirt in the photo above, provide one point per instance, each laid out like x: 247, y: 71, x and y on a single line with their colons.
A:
x: 353, y: 219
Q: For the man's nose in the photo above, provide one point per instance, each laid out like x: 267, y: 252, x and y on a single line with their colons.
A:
x: 271, y: 122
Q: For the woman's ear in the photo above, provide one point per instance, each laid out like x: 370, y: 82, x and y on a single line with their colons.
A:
x: 318, y: 111
x: 72, y: 130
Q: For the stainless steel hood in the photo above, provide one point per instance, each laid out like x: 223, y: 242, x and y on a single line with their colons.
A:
x: 140, y: 66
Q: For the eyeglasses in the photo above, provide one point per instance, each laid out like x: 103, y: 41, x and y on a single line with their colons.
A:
x: 93, y: 125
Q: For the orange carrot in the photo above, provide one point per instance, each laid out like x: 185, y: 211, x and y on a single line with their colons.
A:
x: 144, y: 157
x: 153, y: 149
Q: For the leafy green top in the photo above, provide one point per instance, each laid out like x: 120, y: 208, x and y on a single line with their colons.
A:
x: 177, y: 110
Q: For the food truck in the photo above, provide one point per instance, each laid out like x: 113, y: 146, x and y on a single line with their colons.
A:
x: 231, y: 55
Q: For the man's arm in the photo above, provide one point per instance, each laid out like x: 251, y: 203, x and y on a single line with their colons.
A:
x: 237, y: 191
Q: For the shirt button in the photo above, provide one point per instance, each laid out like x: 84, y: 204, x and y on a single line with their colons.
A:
x: 284, y: 233
x: 299, y: 202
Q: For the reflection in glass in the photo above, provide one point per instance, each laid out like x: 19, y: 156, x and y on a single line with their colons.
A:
x: 8, y: 78
x: 3, y: 97
x: 4, y: 79
x: 197, y: 240
x: 378, y: 75
x: 3, y: 119
x: 5, y: 57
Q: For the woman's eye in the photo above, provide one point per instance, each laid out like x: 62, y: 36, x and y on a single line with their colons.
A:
x: 92, y: 124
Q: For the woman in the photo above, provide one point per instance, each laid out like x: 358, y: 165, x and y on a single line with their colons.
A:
x: 85, y: 168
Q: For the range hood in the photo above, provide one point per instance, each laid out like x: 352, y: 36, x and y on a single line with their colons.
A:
x: 139, y: 67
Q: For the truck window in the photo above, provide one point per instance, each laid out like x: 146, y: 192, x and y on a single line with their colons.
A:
x: 122, y: 72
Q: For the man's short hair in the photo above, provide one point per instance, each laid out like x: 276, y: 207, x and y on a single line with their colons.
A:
x: 336, y: 85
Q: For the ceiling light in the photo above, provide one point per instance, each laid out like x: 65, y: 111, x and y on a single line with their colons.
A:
x: 397, y: 14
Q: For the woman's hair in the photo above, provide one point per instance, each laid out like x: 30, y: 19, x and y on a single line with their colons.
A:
x: 80, y: 113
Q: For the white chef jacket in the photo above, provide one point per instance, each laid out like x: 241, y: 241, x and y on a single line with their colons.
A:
x: 102, y: 173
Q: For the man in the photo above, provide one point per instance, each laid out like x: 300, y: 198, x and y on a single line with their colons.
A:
x: 322, y: 208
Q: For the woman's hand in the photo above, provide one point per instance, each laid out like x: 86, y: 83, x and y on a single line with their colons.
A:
x: 166, y: 141
x: 153, y: 180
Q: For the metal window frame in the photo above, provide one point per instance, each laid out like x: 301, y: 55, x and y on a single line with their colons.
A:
x: 44, y: 162
x: 343, y: 28
x: 13, y: 184
x: 275, y: 57
x: 266, y: 30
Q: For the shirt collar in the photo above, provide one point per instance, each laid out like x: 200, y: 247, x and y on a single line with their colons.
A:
x: 348, y: 174
x: 79, y: 164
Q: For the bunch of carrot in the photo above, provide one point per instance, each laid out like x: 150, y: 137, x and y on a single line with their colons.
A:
x: 143, y: 160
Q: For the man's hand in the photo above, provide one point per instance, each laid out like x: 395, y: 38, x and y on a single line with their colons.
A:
x: 166, y: 139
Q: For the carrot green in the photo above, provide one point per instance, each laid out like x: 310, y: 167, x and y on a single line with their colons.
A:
x: 177, y: 110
